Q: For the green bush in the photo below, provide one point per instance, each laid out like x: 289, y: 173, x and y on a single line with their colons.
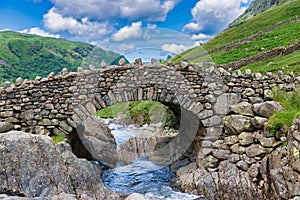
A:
x: 291, y: 103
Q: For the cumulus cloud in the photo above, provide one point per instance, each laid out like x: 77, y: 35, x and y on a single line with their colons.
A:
x: 150, y: 10
x: 126, y: 47
x: 129, y: 32
x: 212, y: 16
x: 95, y: 19
x: 40, y: 32
x: 94, y: 9
x: 177, y: 49
x: 201, y: 37
x: 55, y: 22
x: 135, y: 10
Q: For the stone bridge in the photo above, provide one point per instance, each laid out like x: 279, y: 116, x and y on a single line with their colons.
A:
x: 199, y: 97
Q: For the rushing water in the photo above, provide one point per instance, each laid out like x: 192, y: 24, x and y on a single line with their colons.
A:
x: 141, y: 176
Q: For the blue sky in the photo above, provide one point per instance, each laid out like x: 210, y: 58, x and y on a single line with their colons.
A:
x: 125, y: 26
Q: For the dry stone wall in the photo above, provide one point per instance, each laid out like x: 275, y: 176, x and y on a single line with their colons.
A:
x: 53, y: 105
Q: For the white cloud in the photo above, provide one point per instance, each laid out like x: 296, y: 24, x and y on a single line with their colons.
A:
x: 177, y: 49
x: 5, y: 30
x: 134, y: 10
x: 150, y: 10
x: 126, y: 47
x: 150, y: 31
x: 201, y: 37
x: 92, y: 20
x: 129, y: 32
x: 193, y: 27
x: 40, y: 32
x: 55, y: 22
x: 212, y: 16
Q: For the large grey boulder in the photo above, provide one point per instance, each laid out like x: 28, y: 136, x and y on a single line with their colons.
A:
x: 34, y: 166
x: 267, y: 109
x: 98, y: 140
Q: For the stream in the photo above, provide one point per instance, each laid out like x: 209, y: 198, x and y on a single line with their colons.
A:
x: 140, y: 176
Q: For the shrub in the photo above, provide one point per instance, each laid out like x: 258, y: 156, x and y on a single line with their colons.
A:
x: 291, y: 103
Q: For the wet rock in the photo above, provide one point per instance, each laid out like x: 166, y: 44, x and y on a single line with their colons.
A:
x: 145, y: 144
x: 136, y: 196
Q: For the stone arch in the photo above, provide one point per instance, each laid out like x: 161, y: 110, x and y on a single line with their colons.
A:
x: 94, y: 90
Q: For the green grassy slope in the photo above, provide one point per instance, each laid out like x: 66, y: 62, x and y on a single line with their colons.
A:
x: 256, y: 7
x: 29, y: 55
x: 288, y: 63
x: 282, y: 36
x: 286, y: 34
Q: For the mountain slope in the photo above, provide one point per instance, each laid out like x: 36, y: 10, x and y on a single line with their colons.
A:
x: 256, y: 7
x: 273, y: 28
x: 28, y: 56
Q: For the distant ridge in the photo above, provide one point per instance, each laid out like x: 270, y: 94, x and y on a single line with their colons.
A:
x: 256, y: 7
x: 28, y: 56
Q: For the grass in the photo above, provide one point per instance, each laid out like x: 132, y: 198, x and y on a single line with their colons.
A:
x: 282, y: 36
x: 288, y: 63
x: 256, y: 24
x: 141, y: 112
x: 246, y: 29
x: 58, y: 138
x: 291, y: 103
x: 30, y: 55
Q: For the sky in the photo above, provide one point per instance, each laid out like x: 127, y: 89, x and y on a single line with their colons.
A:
x: 134, y: 28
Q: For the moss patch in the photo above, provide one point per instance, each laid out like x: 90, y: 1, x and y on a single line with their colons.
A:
x: 58, y: 138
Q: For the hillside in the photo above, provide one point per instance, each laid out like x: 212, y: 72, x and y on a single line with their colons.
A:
x: 256, y: 7
x: 276, y: 27
x: 28, y: 56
